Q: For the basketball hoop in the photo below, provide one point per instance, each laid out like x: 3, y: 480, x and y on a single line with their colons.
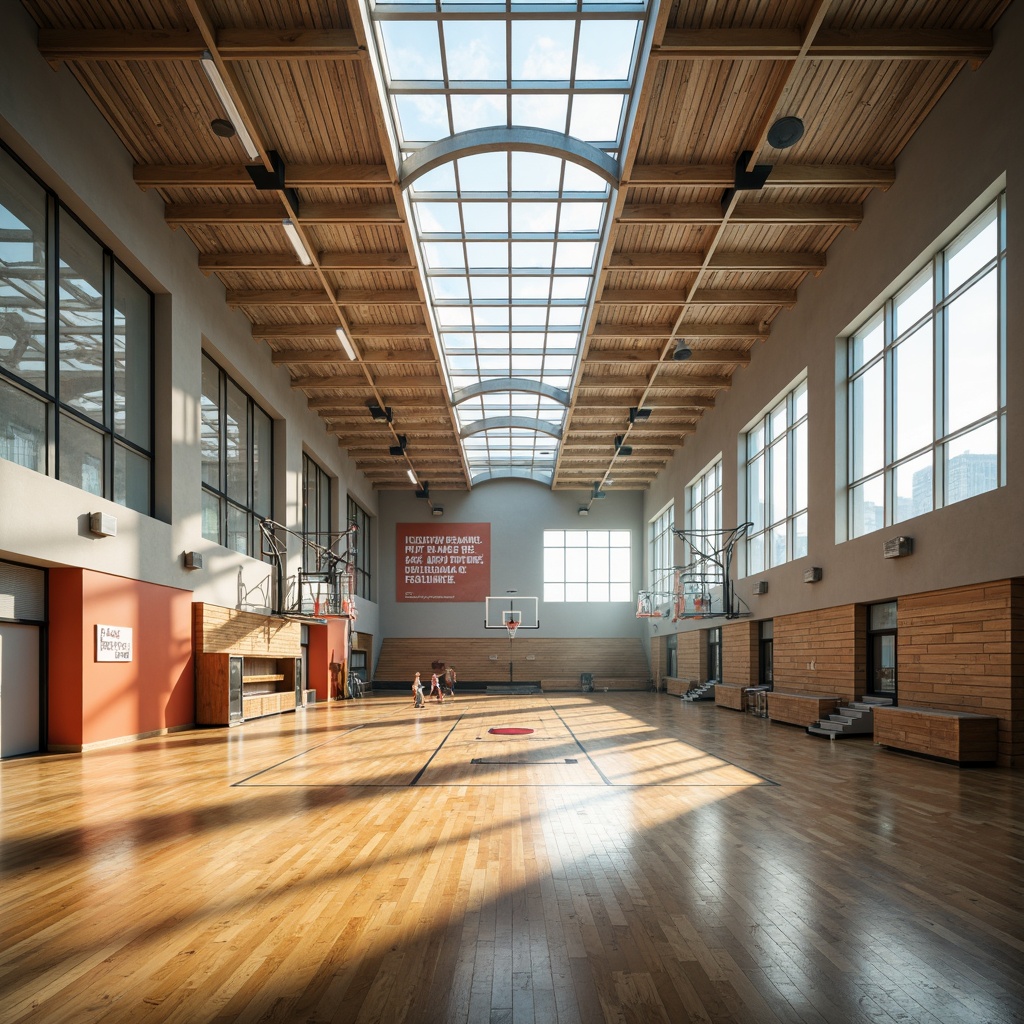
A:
x: 511, y: 625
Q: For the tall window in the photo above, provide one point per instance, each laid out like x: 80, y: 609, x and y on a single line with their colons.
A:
x: 316, y: 512
x: 926, y: 389
x: 362, y: 548
x: 587, y: 565
x: 236, y: 441
x: 704, y: 508
x: 662, y: 549
x: 76, y: 350
x: 776, y: 482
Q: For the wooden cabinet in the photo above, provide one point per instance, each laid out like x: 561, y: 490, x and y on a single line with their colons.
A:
x: 957, y: 736
x: 247, y: 665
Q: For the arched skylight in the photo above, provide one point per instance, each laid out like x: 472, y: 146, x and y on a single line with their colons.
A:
x: 508, y: 120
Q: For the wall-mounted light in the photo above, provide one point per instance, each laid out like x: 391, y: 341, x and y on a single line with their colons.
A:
x: 583, y: 511
x: 103, y: 525
x: 297, y: 243
x: 221, y: 89
x: 813, y: 575
x: 760, y: 587
x: 192, y: 559
x: 898, y: 547
x: 437, y: 510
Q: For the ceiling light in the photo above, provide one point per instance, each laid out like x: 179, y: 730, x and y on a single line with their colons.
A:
x: 583, y: 510
x: 219, y: 86
x: 786, y: 132
x: 682, y: 350
x: 639, y: 415
x: 297, y: 243
x: 412, y: 477
x: 346, y: 344
x: 398, y: 449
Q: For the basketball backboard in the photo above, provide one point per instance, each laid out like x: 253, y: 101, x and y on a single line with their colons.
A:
x: 499, y: 608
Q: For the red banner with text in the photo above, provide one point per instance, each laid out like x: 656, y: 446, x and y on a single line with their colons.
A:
x: 443, y: 563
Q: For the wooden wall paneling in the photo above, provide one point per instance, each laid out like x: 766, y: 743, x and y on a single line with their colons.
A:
x: 958, y: 650
x: 822, y: 652
x: 211, y: 689
x: 692, y: 655
x: 740, y: 662
x: 230, y: 631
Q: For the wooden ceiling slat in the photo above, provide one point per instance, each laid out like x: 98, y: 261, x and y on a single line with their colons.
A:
x: 236, y: 176
x: 268, y: 213
x: 781, y: 176
x: 702, y: 297
x: 744, y: 213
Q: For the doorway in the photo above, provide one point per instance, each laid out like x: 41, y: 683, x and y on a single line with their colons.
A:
x: 882, y: 660
x: 19, y: 689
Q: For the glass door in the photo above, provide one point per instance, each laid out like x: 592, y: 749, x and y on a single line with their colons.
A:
x: 765, y: 669
x: 882, y: 667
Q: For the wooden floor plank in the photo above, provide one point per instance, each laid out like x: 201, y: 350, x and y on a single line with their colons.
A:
x: 633, y: 859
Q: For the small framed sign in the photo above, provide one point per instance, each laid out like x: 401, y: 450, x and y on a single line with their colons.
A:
x: 113, y: 643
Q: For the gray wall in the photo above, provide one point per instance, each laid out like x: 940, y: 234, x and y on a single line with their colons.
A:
x: 519, y: 512
x: 970, y: 144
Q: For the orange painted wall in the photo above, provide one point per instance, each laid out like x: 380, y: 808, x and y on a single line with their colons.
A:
x: 90, y: 701
x: 327, y: 643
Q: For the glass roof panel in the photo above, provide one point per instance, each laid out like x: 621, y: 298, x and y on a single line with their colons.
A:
x: 510, y: 239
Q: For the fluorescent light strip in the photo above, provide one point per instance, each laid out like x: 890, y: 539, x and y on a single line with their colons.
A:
x: 412, y: 477
x: 345, y: 343
x: 213, y: 74
x: 296, y: 239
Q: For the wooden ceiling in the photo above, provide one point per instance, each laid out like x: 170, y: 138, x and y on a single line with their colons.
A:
x: 689, y: 256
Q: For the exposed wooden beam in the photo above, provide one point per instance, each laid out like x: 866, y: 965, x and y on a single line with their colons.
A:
x: 781, y: 176
x: 768, y: 261
x: 661, y: 381
x: 828, y: 44
x: 686, y: 330
x: 701, y: 297
x: 743, y: 213
x: 698, y: 355
x: 233, y: 44
x: 299, y: 356
x: 305, y: 297
x: 236, y: 176
x: 337, y: 382
x: 379, y: 261
x: 654, y: 402
x: 272, y: 213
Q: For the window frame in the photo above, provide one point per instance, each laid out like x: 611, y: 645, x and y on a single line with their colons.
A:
x: 795, y: 462
x: 361, y: 550
x: 57, y: 413
x: 944, y: 435
x: 315, y: 530
x: 227, y: 501
x: 556, y: 549
x: 661, y: 548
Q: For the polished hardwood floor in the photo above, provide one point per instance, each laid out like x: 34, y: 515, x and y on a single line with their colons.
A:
x: 634, y: 859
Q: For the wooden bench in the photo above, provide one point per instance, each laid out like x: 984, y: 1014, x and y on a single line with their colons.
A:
x: 730, y: 695
x: 957, y: 736
x: 677, y: 687
x: 800, y: 708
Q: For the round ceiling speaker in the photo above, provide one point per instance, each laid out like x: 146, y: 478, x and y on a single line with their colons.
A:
x: 786, y: 132
x: 222, y: 127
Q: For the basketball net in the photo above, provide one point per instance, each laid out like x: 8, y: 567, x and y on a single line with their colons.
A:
x: 511, y: 625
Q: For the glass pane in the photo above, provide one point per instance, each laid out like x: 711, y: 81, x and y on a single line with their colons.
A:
x: 209, y: 430
x: 412, y: 50
x: 211, y: 516
x: 867, y: 421
x: 23, y: 282
x: 867, y: 343
x: 132, y: 359
x: 882, y: 616
x: 575, y: 563
x: 755, y: 554
x: 883, y: 659
x: 542, y: 50
x: 238, y: 529
x: 81, y: 319
x: 799, y: 436
x: 913, y: 414
x: 131, y: 479
x: 800, y: 536
x: 619, y: 565
x: 554, y: 592
x: 755, y: 494
x: 576, y: 592
x: 237, y: 444
x: 972, y: 465
x: 972, y: 250
x: 597, y: 591
x: 777, y: 544
x: 914, y: 301
x: 912, y: 486
x: 606, y: 50
x: 973, y: 374
x: 597, y: 564
x: 779, y: 474
x: 554, y: 565
x: 867, y: 507
x: 81, y: 456
x: 262, y: 464
x: 595, y: 118
x: 620, y: 592
x: 22, y: 428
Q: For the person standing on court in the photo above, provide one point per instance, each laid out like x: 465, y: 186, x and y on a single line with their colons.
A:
x: 450, y: 679
x: 435, y: 685
x: 417, y: 691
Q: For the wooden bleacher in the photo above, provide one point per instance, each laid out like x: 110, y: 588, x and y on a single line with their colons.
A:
x: 616, y: 663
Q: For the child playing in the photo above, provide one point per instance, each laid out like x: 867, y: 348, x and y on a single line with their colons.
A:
x: 417, y: 691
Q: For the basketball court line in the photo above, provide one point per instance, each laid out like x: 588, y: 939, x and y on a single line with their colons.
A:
x: 317, y: 771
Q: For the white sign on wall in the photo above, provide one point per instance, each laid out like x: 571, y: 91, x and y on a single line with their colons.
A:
x: 113, y: 643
